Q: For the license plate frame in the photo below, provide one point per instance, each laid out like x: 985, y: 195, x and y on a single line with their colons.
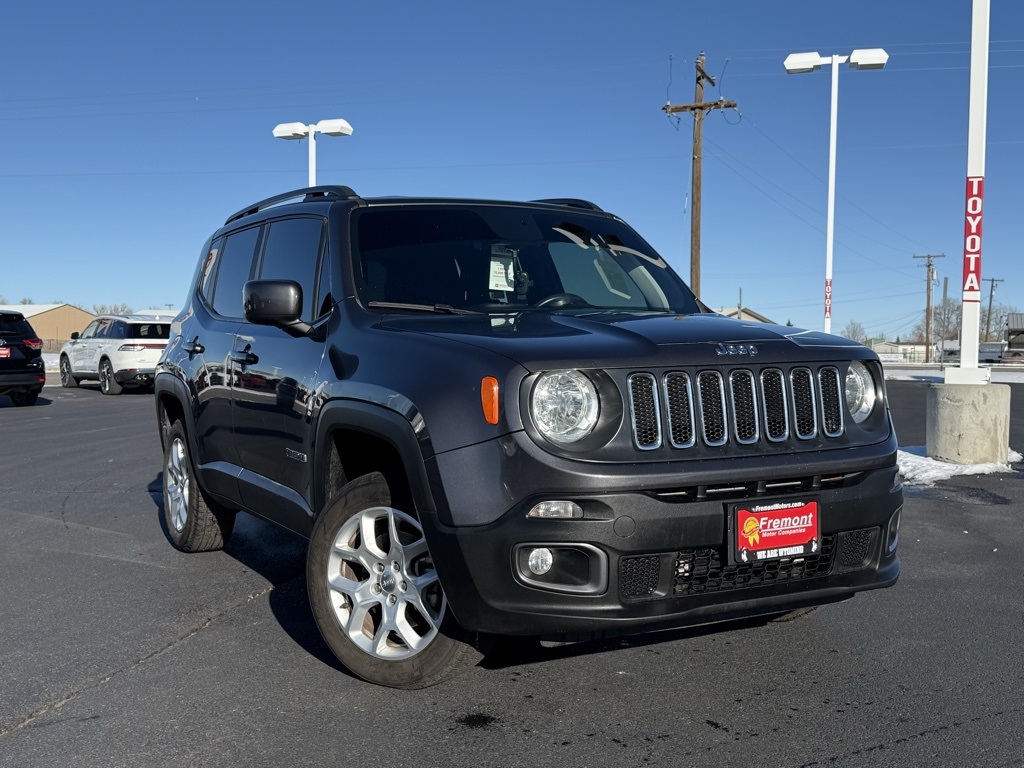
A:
x: 769, y: 530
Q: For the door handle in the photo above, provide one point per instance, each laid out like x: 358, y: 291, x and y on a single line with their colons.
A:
x: 194, y: 347
x: 246, y: 357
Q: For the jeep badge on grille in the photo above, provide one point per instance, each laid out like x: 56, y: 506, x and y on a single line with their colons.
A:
x: 736, y: 349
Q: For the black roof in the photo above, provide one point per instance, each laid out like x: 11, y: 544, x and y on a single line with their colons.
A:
x: 333, y: 193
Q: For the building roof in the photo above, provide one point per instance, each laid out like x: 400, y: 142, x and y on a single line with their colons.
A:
x: 31, y: 310
x: 748, y: 314
x: 1015, y: 322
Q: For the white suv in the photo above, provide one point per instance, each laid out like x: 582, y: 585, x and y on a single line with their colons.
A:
x: 118, y: 350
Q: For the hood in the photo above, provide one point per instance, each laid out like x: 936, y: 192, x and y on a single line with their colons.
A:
x: 546, y: 340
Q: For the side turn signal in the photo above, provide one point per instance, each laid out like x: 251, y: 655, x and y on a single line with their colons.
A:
x: 489, y: 398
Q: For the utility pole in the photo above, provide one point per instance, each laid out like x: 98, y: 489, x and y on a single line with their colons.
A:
x: 928, y: 306
x: 991, y: 290
x: 699, y: 108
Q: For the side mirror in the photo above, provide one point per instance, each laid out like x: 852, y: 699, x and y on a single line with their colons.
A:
x: 275, y: 302
x: 74, y: 335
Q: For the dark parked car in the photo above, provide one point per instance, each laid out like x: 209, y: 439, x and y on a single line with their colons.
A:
x: 22, y: 373
x: 494, y: 418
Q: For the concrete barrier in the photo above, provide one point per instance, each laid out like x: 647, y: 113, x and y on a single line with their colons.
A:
x: 968, y: 423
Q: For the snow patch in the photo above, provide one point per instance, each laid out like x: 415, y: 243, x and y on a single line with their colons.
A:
x: 917, y: 469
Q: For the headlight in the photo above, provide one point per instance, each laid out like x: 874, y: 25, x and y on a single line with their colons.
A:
x: 564, y: 406
x: 860, y: 391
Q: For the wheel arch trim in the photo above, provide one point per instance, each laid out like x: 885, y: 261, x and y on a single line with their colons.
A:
x: 384, y: 424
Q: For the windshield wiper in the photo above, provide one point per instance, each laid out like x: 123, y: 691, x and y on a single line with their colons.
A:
x: 439, y: 309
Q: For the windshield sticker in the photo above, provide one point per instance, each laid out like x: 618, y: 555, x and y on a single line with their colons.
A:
x: 502, y: 276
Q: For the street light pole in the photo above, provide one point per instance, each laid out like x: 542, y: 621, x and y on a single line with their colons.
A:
x: 294, y: 131
x: 865, y: 58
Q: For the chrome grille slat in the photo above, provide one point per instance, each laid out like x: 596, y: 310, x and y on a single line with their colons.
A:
x: 805, y: 411
x: 831, y: 402
x: 711, y: 396
x: 776, y: 405
x: 644, y: 411
x: 679, y: 402
x: 744, y: 407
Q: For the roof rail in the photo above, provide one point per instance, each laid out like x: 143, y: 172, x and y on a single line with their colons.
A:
x: 308, y: 194
x: 572, y: 202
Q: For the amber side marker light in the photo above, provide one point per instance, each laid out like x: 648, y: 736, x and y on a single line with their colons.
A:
x: 489, y: 398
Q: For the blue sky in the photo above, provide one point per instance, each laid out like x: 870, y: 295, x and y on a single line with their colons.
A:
x: 131, y: 130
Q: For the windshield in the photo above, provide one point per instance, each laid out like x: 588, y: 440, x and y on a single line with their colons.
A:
x: 503, y: 258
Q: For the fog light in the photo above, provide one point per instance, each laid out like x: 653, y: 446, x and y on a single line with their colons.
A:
x: 540, y: 561
x: 556, y: 509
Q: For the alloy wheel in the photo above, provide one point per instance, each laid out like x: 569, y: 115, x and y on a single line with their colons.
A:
x: 382, y: 584
x: 176, y: 481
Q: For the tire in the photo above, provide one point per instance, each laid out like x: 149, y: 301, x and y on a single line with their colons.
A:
x: 379, y: 605
x: 67, y: 378
x: 25, y: 398
x: 108, y: 384
x: 193, y: 523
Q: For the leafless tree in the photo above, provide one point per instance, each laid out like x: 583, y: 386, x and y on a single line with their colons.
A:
x: 111, y: 309
x: 26, y: 300
x: 854, y: 331
x: 997, y: 328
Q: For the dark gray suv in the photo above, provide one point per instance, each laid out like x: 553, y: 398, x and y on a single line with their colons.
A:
x: 494, y: 418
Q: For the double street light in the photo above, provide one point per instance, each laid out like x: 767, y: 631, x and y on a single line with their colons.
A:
x: 294, y: 131
x: 797, y: 63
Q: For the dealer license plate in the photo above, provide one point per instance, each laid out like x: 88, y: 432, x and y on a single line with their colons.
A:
x: 771, y: 530
x: 5, y: 351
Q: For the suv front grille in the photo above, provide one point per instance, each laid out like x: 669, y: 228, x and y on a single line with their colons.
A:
x: 743, y: 407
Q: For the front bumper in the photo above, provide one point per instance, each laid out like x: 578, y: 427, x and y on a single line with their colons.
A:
x: 649, y: 540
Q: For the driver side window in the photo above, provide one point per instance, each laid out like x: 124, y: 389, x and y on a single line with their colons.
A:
x: 90, y: 330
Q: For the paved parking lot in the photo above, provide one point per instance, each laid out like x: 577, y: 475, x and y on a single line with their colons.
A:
x: 117, y: 650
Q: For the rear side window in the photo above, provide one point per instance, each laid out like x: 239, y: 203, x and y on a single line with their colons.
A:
x: 233, y: 268
x: 14, y: 325
x: 209, y: 270
x: 292, y: 252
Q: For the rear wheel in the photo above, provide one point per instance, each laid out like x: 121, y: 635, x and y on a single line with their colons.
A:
x: 67, y: 378
x: 193, y: 523
x: 25, y: 398
x: 108, y: 384
x: 375, y: 594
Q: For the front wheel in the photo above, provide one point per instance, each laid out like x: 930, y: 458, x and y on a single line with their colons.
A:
x: 67, y: 378
x: 375, y: 594
x: 108, y: 384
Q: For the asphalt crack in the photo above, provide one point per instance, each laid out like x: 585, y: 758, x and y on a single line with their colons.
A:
x: 55, y: 706
x: 882, y: 746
